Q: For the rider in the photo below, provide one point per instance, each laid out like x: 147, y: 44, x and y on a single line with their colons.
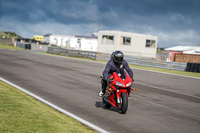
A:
x: 115, y: 64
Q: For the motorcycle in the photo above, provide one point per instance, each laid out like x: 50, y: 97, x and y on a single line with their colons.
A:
x: 117, y: 92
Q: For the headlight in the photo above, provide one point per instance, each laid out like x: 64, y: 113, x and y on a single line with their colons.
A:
x: 119, y: 84
x: 128, y: 84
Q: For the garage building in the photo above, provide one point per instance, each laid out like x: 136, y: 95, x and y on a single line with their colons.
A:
x: 131, y: 44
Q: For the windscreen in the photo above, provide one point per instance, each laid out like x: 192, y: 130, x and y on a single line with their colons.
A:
x: 122, y: 74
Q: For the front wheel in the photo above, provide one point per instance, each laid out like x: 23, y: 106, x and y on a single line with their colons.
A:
x: 124, y: 103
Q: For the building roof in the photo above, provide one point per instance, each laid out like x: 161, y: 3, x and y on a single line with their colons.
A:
x: 90, y: 37
x: 198, y: 49
x: 58, y: 35
x: 183, y: 48
x: 78, y: 36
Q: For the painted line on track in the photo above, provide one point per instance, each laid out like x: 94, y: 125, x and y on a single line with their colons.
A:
x: 94, y: 127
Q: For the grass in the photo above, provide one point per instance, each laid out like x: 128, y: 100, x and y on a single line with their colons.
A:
x: 192, y: 74
x: 10, y: 47
x: 69, y: 56
x: 21, y: 113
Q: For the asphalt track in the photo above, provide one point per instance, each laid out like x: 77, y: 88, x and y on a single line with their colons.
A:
x: 162, y: 103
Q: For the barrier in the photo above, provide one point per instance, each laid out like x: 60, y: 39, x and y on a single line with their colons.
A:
x: 23, y: 45
x: 193, y: 67
x: 69, y: 52
x: 105, y: 57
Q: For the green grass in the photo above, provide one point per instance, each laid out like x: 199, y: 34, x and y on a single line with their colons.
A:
x: 192, y: 74
x: 10, y: 47
x: 21, y: 113
x: 159, y: 51
x: 69, y: 56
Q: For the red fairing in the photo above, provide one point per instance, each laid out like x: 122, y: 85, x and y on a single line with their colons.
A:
x: 118, y: 92
x: 112, y: 101
x: 117, y: 78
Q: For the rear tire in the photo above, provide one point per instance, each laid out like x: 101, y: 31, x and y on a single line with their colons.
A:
x: 124, y: 106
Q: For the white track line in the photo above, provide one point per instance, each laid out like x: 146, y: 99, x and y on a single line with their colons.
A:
x: 94, y: 127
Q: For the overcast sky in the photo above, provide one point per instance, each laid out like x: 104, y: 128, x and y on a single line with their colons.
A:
x: 174, y: 22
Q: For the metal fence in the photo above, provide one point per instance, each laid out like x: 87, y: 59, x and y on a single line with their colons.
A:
x: 158, y: 64
x: 105, y: 57
x: 74, y: 53
x: 6, y: 41
x: 147, y: 62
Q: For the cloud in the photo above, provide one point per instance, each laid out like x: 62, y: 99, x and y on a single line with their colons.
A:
x: 27, y: 30
x: 189, y: 37
x: 175, y: 22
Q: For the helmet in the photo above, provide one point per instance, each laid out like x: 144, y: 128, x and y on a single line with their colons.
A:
x: 118, y: 57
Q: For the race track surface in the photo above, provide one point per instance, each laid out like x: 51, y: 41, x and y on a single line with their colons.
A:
x: 163, y: 103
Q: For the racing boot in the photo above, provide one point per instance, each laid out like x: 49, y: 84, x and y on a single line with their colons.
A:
x: 101, y: 93
x: 103, y: 86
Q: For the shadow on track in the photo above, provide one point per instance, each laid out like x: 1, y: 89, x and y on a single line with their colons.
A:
x: 100, y: 105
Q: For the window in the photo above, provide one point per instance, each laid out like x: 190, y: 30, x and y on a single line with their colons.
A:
x: 107, y: 39
x: 79, y: 40
x: 125, y: 41
x: 150, y: 43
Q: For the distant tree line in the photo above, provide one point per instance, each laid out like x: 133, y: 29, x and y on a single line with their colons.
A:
x: 9, y: 35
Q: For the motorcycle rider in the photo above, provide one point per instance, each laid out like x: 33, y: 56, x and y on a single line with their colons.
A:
x: 115, y: 64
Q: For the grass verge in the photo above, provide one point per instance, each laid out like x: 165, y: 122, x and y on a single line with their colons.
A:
x: 21, y: 113
x: 10, y: 47
x: 69, y: 56
x: 184, y: 73
x: 192, y: 74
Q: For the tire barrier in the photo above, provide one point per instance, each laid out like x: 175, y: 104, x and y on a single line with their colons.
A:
x: 193, y: 67
x: 23, y: 45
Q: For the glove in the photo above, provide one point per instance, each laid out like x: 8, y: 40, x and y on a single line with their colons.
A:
x: 132, y: 80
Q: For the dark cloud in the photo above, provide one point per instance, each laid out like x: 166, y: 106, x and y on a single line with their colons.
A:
x: 162, y: 18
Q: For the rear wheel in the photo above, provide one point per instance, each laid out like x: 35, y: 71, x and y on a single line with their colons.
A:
x: 123, y: 106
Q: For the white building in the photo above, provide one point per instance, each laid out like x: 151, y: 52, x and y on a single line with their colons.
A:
x: 72, y: 42
x: 185, y: 49
x: 86, y: 43
x: 129, y: 43
x: 57, y: 39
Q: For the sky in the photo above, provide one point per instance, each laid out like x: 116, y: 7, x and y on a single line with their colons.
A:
x: 174, y: 22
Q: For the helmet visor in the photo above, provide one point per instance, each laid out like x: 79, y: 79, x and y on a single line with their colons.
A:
x: 118, y: 59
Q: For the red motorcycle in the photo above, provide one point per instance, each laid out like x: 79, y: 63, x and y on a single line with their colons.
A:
x: 117, y: 92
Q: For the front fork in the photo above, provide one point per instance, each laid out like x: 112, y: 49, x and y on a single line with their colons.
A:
x: 119, y: 92
x: 118, y: 96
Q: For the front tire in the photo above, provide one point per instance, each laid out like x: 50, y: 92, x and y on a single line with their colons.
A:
x: 124, y: 105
